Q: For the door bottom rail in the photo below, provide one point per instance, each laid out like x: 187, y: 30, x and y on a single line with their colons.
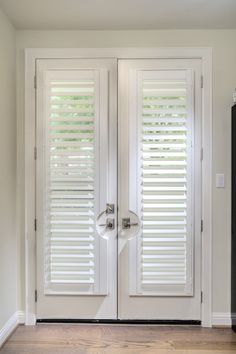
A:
x: 118, y: 321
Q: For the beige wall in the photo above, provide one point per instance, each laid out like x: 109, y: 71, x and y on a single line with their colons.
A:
x: 224, y: 82
x: 8, y: 241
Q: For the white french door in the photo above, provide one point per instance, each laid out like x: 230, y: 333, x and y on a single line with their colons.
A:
x: 142, y: 262
x: 159, y: 189
x: 76, y: 178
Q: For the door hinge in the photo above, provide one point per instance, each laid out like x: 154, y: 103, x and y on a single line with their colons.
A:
x: 201, y: 154
x: 201, y: 225
x: 201, y: 297
x: 35, y: 153
x: 35, y: 295
x: 35, y: 82
x: 202, y: 81
x: 35, y: 224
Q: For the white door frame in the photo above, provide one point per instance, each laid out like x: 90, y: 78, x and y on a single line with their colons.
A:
x: 31, y: 55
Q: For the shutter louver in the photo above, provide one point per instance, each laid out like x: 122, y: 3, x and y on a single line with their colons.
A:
x: 70, y: 182
x: 165, y: 182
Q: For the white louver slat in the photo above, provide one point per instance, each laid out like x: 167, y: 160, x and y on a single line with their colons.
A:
x: 70, y: 255
x: 165, y: 179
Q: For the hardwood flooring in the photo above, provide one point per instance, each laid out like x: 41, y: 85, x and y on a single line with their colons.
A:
x: 117, y: 339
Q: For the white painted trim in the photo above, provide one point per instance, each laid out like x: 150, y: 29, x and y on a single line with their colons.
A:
x: 30, y: 244
x: 21, y: 317
x: 121, y: 53
x: 30, y: 319
x: 207, y: 188
x: 221, y: 319
x: 8, y: 328
x: 17, y: 318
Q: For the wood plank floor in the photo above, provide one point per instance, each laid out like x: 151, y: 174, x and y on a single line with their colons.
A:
x: 117, y: 339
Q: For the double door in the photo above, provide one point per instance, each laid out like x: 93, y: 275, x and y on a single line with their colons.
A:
x: 118, y: 197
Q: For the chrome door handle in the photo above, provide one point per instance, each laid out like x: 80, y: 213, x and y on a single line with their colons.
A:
x: 110, y: 224
x: 126, y: 224
x: 104, y: 223
x: 129, y: 226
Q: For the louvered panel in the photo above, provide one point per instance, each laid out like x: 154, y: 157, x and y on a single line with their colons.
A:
x: 165, y: 182
x: 70, y: 246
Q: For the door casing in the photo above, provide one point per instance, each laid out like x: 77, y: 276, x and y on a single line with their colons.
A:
x: 31, y: 55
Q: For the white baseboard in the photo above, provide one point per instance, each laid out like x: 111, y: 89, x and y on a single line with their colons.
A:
x: 221, y: 319
x: 10, y: 325
x: 21, y: 317
x: 8, y: 328
x: 29, y: 320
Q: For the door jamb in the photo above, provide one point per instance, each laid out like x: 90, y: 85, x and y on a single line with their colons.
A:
x: 31, y: 55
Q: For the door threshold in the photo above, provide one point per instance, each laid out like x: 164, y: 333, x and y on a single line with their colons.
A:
x: 117, y: 321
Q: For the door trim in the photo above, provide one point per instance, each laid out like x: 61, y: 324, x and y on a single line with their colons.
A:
x: 31, y: 55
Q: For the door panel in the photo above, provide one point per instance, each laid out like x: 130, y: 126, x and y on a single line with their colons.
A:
x: 160, y: 181
x: 76, y: 178
x: 149, y: 266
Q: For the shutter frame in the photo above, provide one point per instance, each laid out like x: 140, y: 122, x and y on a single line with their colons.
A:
x: 139, y: 284
x: 61, y: 277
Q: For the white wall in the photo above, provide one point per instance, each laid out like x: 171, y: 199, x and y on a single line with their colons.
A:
x: 223, y: 43
x: 8, y: 240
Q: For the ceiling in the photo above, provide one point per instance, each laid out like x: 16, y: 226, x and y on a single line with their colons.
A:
x: 121, y: 14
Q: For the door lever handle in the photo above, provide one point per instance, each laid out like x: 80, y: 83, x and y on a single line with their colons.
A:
x: 110, y: 224
x: 126, y: 224
x: 107, y: 222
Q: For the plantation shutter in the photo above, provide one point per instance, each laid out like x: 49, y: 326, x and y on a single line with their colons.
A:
x: 165, y: 141
x: 74, y: 254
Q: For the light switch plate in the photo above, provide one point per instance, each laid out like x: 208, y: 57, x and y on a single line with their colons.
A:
x: 220, y: 180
